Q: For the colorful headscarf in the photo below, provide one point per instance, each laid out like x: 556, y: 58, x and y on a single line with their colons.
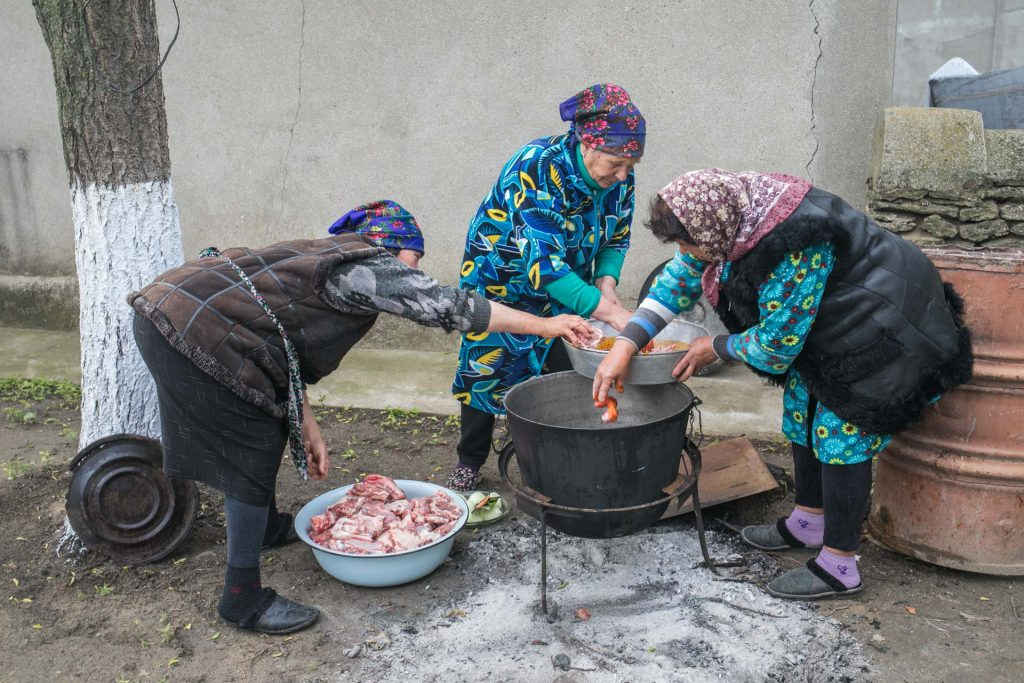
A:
x: 726, y: 214
x: 603, y: 117
x: 383, y: 221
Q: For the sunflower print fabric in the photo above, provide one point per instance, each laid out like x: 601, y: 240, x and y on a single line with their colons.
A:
x: 834, y: 440
x: 539, y: 223
x: 788, y: 301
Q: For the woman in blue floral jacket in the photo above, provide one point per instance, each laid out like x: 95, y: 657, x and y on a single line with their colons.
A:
x: 549, y: 238
x: 852, y: 320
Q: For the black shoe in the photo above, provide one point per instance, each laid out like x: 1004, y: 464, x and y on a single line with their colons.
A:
x: 280, y: 532
x: 276, y: 615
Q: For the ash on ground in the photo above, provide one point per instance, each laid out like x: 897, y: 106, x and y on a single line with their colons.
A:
x: 654, y: 614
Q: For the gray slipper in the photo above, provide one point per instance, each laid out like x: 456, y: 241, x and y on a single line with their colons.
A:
x: 810, y: 582
x: 772, y: 536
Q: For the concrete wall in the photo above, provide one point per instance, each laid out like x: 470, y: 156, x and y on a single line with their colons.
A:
x: 987, y: 33
x: 283, y: 115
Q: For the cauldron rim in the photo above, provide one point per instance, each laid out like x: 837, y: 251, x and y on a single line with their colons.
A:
x: 533, y: 381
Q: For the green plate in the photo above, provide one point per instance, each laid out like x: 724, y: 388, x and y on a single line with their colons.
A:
x: 503, y: 506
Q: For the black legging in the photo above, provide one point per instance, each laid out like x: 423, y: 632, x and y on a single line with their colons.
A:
x: 247, y: 525
x: 478, y: 427
x: 844, y: 491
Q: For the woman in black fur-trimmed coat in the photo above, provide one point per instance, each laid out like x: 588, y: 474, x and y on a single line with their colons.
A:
x: 852, y: 320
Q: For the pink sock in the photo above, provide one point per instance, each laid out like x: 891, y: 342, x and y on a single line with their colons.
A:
x: 839, y: 566
x: 807, y: 527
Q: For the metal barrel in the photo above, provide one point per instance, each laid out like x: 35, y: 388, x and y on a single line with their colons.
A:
x: 950, y: 489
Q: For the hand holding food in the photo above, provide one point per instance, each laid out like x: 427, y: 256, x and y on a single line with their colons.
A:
x: 574, y: 328
x: 612, y: 369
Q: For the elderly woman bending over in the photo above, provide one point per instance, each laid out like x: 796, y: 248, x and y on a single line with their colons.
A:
x: 852, y: 320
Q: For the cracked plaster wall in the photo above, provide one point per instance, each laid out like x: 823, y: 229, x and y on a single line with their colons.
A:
x: 283, y: 115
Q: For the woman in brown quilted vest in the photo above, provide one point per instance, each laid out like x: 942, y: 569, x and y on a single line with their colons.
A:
x: 231, y: 340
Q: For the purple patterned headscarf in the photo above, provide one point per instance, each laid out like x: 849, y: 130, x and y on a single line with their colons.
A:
x: 726, y: 214
x: 383, y: 221
x: 603, y: 117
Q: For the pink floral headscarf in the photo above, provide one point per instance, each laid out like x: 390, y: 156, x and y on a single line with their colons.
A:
x: 727, y: 213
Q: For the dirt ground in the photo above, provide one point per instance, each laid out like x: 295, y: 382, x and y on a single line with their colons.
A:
x: 94, y: 619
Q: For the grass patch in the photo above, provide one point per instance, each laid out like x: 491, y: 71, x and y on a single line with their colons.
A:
x: 33, y: 390
x: 14, y: 468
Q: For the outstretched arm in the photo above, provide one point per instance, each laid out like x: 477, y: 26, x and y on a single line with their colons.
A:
x: 383, y: 284
x: 506, y: 319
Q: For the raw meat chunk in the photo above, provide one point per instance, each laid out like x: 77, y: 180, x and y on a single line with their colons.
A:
x: 375, y: 517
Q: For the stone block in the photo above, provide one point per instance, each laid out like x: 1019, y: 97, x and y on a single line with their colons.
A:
x: 896, y: 194
x: 895, y: 222
x: 938, y: 226
x: 985, y: 211
x: 958, y: 198
x: 922, y: 206
x: 1011, y: 242
x: 1012, y: 212
x: 1005, y: 156
x: 1017, y: 228
x: 1012, y: 193
x: 985, y: 230
x: 920, y: 148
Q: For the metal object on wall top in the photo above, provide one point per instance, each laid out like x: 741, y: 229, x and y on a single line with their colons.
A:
x: 121, y: 503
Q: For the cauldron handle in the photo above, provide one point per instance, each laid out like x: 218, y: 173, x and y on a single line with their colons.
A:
x: 694, y: 453
x: 504, y: 456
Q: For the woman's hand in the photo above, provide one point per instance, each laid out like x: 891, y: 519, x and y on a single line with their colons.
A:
x: 610, y: 310
x: 313, y: 442
x: 700, y: 355
x: 571, y: 327
x: 612, y: 369
x: 607, y: 286
x: 612, y: 313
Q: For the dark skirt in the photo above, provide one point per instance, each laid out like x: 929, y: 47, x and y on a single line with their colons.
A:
x: 209, y: 433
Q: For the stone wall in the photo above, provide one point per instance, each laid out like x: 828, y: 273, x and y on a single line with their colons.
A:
x: 938, y: 177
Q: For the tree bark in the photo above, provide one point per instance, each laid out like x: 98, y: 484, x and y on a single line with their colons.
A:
x: 126, y: 223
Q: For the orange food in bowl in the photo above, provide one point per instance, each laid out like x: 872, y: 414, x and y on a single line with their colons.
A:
x: 605, y: 344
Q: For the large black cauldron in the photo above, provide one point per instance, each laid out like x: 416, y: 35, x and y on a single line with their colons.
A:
x: 567, y: 454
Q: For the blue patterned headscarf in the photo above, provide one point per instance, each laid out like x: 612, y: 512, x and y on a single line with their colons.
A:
x: 603, y: 117
x: 383, y: 221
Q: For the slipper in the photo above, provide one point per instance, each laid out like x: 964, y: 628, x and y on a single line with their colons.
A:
x: 810, y: 582
x: 772, y: 536
x: 276, y: 615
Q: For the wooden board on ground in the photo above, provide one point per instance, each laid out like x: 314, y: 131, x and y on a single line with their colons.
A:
x: 729, y: 470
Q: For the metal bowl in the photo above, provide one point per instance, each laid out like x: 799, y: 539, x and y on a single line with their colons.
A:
x: 392, y: 569
x: 644, y: 368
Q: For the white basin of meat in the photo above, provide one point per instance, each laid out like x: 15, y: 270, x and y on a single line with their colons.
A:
x: 383, y: 539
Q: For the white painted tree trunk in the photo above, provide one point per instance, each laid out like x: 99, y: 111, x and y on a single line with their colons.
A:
x: 125, y: 236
